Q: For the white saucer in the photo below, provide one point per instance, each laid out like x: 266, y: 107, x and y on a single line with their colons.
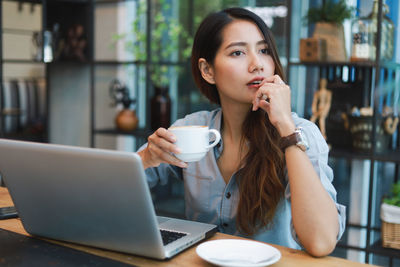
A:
x: 237, y: 252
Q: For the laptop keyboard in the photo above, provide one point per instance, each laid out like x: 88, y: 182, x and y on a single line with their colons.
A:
x: 170, y: 236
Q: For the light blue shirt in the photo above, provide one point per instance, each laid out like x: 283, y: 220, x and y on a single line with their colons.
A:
x: 209, y: 199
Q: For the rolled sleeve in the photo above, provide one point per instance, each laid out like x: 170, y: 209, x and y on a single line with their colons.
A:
x: 162, y: 173
x: 318, y: 154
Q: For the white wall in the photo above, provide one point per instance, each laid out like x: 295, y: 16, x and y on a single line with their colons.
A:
x: 18, y: 28
x: 69, y: 110
x: 70, y: 98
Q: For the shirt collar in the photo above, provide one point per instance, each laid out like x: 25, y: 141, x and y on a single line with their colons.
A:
x: 215, y: 123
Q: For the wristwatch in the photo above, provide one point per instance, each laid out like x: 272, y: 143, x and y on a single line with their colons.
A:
x: 297, y: 138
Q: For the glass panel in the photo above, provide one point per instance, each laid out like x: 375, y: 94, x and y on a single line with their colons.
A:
x: 384, y: 176
x: 339, y: 252
x: 119, y: 18
x: 108, y: 103
x: 69, y: 25
x: 105, y: 106
x: 379, y: 260
x: 274, y: 12
x: 190, y: 13
x: 24, y: 92
x: 341, y: 182
x: 21, y: 22
x: 353, y: 255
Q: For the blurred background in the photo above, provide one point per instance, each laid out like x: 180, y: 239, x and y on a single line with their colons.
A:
x: 106, y: 73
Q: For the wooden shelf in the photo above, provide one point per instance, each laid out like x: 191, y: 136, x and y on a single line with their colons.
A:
x: 144, y: 133
x: 139, y: 62
x: 349, y: 154
x: 119, y: 62
x: 363, y: 64
x: 112, y: 1
x: 388, y: 156
x: 391, y: 155
x: 69, y: 62
x: 378, y: 249
x: 23, y: 136
x: 22, y: 61
x: 72, y: 1
x: 330, y: 63
x: 27, y: 1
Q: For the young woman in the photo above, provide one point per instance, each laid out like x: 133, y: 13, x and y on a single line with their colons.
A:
x: 263, y: 181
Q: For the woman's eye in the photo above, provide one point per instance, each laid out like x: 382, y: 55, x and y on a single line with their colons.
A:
x: 266, y: 51
x: 237, y: 53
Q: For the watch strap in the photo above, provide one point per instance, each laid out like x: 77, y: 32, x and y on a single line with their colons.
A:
x: 289, y: 140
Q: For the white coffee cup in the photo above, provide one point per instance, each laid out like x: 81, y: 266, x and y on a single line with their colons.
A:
x: 193, y: 141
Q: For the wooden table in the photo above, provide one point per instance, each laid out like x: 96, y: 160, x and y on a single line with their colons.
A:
x: 290, y: 257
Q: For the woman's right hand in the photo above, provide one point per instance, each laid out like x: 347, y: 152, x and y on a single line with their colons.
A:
x: 160, y: 146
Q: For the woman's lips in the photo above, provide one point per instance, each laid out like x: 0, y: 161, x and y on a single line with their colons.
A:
x: 256, y: 82
x: 256, y: 86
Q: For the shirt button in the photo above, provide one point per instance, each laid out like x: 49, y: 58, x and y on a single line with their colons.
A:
x: 225, y: 225
x: 228, y: 195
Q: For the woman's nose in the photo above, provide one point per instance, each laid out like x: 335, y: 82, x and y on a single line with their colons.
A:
x: 255, y: 63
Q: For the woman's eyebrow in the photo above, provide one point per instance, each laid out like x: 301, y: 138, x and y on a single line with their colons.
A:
x: 244, y: 44
x: 236, y: 44
x: 262, y: 42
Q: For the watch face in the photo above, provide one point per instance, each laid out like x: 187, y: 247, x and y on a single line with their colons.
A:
x: 302, y: 139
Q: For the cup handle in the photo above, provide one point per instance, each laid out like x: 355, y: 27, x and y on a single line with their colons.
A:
x: 217, y: 138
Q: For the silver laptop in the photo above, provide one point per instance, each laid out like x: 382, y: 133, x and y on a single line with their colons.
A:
x: 93, y: 197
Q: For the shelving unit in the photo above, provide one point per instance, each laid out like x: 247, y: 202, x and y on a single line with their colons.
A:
x: 142, y: 92
x: 369, y: 90
x: 143, y: 131
x: 73, y: 84
x: 28, y: 121
x: 83, y: 11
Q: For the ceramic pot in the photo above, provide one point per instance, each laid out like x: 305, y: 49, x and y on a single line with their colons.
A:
x: 126, y: 120
x: 334, y: 36
x: 160, y: 108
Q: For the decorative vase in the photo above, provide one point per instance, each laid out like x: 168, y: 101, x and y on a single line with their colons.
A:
x: 334, y: 35
x: 362, y: 46
x: 387, y: 33
x: 160, y: 109
x: 126, y: 120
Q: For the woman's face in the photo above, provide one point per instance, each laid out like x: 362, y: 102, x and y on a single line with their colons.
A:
x: 242, y: 62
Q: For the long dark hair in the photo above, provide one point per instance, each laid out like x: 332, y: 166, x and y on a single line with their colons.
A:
x: 261, y: 177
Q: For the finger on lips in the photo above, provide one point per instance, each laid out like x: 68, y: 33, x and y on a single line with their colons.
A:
x: 276, y: 79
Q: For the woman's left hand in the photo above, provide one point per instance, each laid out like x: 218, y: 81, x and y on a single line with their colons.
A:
x: 273, y: 96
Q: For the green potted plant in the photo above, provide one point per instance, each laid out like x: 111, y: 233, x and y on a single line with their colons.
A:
x: 390, y: 216
x: 168, y: 41
x: 328, y: 19
x: 330, y: 12
x: 169, y: 44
